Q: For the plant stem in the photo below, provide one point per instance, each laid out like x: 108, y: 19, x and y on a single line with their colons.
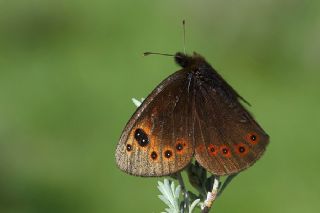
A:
x: 185, y: 193
x: 211, y: 196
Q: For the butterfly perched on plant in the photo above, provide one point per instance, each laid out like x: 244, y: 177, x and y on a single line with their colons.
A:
x: 193, y: 113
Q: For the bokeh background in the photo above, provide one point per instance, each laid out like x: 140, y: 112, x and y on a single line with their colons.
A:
x: 68, y: 71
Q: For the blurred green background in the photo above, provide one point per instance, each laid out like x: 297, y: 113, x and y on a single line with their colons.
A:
x: 68, y: 71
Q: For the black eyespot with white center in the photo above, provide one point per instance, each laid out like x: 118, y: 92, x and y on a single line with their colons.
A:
x: 154, y: 155
x: 141, y: 137
x: 168, y: 153
x: 242, y: 149
x: 225, y: 151
x: 129, y: 147
x: 179, y: 146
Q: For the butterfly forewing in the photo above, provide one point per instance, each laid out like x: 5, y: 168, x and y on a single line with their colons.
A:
x: 157, y: 140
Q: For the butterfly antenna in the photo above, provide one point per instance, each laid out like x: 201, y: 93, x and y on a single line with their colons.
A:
x: 184, y: 44
x: 184, y: 35
x: 153, y: 53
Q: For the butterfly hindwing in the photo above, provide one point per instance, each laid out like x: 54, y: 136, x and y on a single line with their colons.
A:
x: 227, y: 138
x: 157, y: 141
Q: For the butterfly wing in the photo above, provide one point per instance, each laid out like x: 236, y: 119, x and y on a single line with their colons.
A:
x: 227, y: 138
x: 157, y: 140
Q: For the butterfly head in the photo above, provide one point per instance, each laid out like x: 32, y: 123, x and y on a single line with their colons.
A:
x: 185, y: 60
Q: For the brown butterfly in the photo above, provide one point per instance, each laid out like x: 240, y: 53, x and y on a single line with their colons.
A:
x: 192, y: 113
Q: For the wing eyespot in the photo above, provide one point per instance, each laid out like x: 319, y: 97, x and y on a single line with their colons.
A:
x: 141, y: 137
x: 154, y: 155
x: 129, y: 147
x: 225, y: 151
x: 179, y: 147
x: 241, y: 149
x: 213, y: 150
x: 253, y: 138
x: 168, y: 154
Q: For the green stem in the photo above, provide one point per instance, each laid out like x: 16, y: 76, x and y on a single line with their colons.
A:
x: 185, y: 193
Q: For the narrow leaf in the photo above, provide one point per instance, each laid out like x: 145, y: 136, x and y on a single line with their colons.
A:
x: 193, y: 205
x: 165, y: 200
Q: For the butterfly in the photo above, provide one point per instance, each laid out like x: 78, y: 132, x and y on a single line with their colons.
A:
x: 193, y: 113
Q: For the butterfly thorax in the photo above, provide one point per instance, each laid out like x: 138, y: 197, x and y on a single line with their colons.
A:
x: 195, y: 64
x: 197, y: 68
x: 186, y: 61
x: 201, y: 72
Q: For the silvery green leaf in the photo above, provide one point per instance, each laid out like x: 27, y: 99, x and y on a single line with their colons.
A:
x: 169, y: 210
x: 136, y: 102
x: 162, y: 189
x: 175, y: 197
x: 177, y: 191
x: 168, y: 191
x: 165, y: 200
x: 172, y: 187
x: 193, y: 205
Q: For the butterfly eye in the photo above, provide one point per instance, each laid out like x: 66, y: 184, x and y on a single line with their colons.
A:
x: 168, y: 153
x: 141, y: 137
x: 129, y: 147
x: 252, y: 138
